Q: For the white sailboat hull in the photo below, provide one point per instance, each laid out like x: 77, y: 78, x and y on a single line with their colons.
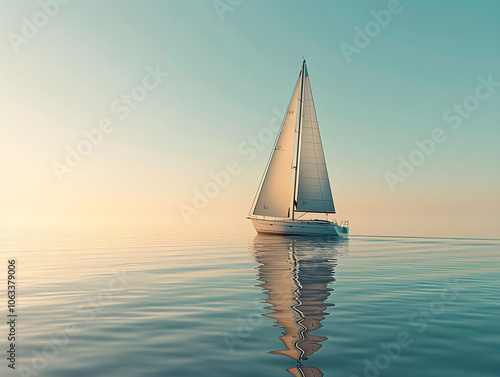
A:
x: 296, y: 178
x: 300, y: 227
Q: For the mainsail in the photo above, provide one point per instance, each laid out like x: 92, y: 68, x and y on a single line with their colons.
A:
x: 309, y: 181
x: 275, y: 194
x: 313, y: 190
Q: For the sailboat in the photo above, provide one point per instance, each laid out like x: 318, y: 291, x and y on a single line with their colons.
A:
x: 295, y: 185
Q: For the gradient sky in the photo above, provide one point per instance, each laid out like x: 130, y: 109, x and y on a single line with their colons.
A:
x: 228, y: 76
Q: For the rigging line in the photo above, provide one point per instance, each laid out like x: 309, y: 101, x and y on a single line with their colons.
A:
x: 302, y: 72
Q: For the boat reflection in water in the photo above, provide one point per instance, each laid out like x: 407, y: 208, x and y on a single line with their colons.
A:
x: 295, y: 274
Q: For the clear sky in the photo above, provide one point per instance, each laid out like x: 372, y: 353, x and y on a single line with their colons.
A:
x: 181, y: 86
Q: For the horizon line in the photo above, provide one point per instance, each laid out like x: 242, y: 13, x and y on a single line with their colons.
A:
x: 431, y: 237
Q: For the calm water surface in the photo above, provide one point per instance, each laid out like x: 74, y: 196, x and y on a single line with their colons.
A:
x: 156, y: 303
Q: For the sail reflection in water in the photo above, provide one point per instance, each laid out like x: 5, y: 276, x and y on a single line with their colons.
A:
x: 295, y: 274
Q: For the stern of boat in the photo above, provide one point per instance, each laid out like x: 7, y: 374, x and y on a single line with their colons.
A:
x: 342, y: 229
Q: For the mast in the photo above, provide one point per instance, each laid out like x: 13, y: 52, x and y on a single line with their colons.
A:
x: 298, y: 138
